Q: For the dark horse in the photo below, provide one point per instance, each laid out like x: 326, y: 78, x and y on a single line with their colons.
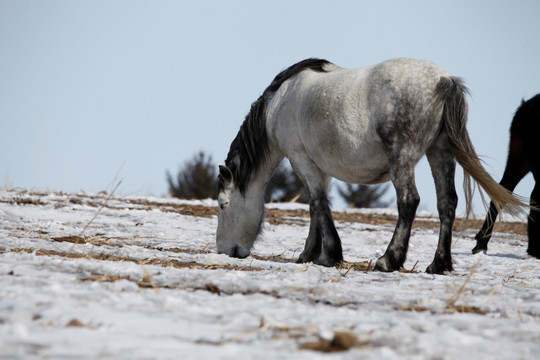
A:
x: 523, y: 157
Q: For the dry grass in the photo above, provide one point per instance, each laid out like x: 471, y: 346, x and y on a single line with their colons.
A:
x: 455, y: 308
x: 100, y: 208
x: 451, y: 303
x: 356, y: 266
x: 74, y: 323
x: 278, y: 258
x: 341, y: 341
x: 179, y: 264
x: 273, y: 216
x: 93, y: 240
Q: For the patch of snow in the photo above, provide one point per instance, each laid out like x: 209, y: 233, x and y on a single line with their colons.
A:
x: 148, y: 283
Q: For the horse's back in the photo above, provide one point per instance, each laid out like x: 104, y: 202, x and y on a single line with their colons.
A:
x: 403, y: 81
x: 526, y: 127
x: 527, y: 117
x: 374, y: 92
x: 336, y: 116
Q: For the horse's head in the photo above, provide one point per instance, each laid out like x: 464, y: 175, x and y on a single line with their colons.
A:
x: 239, y: 216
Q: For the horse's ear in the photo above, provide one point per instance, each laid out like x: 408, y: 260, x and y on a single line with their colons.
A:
x: 225, y: 173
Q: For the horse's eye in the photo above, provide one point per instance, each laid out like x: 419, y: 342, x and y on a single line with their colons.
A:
x: 223, y: 205
x: 223, y: 199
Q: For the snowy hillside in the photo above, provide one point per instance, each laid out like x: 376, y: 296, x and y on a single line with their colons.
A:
x: 87, y: 277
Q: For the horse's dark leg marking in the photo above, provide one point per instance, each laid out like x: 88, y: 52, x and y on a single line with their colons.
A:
x: 533, y: 225
x: 443, y: 167
x: 323, y: 245
x: 313, y: 247
x: 516, y: 168
x: 402, y: 174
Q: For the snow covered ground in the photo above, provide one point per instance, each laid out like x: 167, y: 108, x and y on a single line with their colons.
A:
x: 142, y: 280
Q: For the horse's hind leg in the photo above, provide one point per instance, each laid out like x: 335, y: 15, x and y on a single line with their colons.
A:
x: 509, y: 181
x: 323, y: 245
x: 484, y: 234
x: 517, y: 167
x: 533, y: 226
x: 443, y: 167
x: 402, y: 175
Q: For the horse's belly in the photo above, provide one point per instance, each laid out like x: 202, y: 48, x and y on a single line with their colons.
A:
x: 357, y: 167
x: 354, y: 156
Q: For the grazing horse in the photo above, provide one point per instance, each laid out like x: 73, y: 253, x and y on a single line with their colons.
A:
x: 366, y: 125
x: 523, y: 157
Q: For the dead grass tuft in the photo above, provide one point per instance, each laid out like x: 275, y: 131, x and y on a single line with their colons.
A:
x: 212, y: 288
x: 468, y: 309
x: 455, y: 308
x: 413, y: 307
x: 93, y: 240
x: 74, y: 323
x: 274, y: 258
x: 413, y: 270
x: 147, y: 281
x: 204, y: 250
x: 106, y: 278
x: 71, y: 239
x: 342, y: 341
x: 24, y: 201
x: 356, y: 266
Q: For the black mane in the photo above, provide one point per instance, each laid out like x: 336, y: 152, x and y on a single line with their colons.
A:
x: 250, y: 147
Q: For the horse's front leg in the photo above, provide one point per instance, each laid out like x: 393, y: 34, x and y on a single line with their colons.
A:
x: 407, y: 202
x: 323, y: 245
x: 313, y: 247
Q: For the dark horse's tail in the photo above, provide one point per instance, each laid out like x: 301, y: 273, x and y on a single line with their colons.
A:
x: 451, y: 92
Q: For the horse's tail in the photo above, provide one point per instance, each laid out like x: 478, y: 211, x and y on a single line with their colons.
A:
x: 451, y: 91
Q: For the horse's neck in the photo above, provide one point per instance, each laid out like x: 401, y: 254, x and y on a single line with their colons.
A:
x: 255, y: 189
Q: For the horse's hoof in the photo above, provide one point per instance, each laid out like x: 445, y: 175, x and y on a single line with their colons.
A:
x: 320, y: 261
x: 327, y: 262
x: 479, y: 248
x: 435, y: 268
x: 534, y: 252
x: 432, y: 269
x: 481, y: 244
x: 304, y: 258
x: 383, y: 265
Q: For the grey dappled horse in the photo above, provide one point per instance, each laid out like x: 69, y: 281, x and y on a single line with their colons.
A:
x: 366, y: 125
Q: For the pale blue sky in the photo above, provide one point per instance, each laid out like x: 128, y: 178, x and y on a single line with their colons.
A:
x: 93, y: 90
